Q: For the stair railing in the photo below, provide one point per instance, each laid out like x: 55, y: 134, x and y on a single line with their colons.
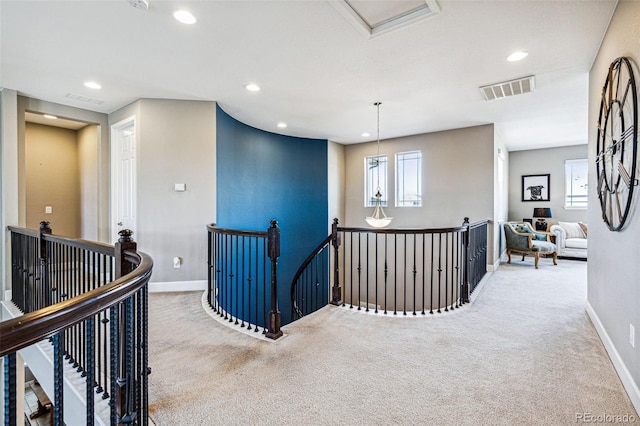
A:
x: 406, y: 271
x: 240, y: 265
x: 90, y: 300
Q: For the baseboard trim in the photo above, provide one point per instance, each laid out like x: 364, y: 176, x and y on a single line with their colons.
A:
x: 170, y: 286
x: 625, y: 376
x: 494, y: 267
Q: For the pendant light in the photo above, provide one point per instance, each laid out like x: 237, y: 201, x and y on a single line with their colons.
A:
x: 378, y: 219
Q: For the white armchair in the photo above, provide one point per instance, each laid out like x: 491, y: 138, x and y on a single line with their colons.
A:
x: 571, y: 239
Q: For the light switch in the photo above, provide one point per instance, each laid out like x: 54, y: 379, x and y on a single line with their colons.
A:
x: 180, y: 187
x: 48, y: 209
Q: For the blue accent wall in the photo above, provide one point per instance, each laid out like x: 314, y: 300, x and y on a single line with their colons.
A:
x: 263, y: 176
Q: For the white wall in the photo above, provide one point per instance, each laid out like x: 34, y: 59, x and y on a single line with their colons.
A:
x: 176, y: 144
x: 337, y: 183
x: 613, y: 267
x: 537, y: 162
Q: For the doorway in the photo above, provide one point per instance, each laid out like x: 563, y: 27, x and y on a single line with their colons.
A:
x: 123, y: 175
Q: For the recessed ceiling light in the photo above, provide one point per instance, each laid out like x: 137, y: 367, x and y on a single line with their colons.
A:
x: 50, y: 117
x: 252, y: 87
x: 516, y: 56
x: 282, y: 125
x: 92, y: 85
x: 184, y: 17
x: 365, y: 135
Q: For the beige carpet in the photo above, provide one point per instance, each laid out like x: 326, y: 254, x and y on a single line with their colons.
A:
x: 524, y: 352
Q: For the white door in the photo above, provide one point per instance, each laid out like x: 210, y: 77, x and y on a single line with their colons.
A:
x: 123, y: 175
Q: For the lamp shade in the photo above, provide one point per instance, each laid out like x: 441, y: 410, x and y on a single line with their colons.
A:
x: 544, y: 212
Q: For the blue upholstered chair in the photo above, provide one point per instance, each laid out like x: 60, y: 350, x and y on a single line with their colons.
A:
x: 522, y: 239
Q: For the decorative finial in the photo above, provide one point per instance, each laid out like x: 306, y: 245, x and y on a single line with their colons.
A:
x: 125, y: 236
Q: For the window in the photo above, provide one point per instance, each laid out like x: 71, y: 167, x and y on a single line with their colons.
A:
x: 576, y: 184
x: 409, y: 179
x: 375, y: 176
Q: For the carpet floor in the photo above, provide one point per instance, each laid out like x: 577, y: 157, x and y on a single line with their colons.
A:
x: 524, y: 352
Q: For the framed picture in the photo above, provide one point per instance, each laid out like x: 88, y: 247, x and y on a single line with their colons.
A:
x: 535, y: 187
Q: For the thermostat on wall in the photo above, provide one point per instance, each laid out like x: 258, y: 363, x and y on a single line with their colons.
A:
x: 180, y: 187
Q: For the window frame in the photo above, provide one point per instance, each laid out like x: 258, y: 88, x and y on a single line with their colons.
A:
x: 568, y: 192
x: 401, y: 179
x: 369, y: 197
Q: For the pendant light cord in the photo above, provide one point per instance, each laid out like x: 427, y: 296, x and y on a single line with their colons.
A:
x: 377, y: 104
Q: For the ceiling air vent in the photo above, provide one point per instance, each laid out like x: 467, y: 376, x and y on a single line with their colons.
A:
x: 84, y: 99
x: 509, y: 88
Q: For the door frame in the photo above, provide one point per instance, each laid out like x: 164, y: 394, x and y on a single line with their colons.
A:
x: 116, y: 144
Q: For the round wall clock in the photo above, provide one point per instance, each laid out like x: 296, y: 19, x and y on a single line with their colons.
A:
x: 617, y: 144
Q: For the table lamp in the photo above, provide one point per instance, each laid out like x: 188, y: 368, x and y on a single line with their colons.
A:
x: 541, y: 213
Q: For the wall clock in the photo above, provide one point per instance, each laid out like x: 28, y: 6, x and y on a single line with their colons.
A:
x: 617, y: 143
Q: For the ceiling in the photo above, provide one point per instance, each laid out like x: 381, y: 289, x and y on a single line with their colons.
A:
x: 318, y: 71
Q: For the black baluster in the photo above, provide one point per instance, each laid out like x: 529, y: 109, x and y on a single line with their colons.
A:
x: 351, y: 269
x: 10, y: 398
x: 367, y: 262
x: 90, y: 367
x: 404, y: 276
x: 415, y: 271
x: 264, y: 286
x: 249, y: 282
x: 439, y: 271
x: 242, y: 286
x: 386, y: 272
x: 359, y: 269
x: 58, y: 379
x: 424, y: 236
x: 395, y: 274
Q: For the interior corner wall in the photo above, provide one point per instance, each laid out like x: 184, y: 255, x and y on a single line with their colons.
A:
x: 263, y: 176
x: 613, y: 268
x: 336, y: 181
x: 8, y: 176
x: 89, y: 184
x: 102, y: 172
x: 501, y: 192
x: 52, y: 179
x: 176, y: 143
x: 457, y: 180
x: 538, y: 162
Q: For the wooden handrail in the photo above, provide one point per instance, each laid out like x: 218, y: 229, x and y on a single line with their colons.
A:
x: 405, y: 230
x: 20, y: 332
x: 214, y: 228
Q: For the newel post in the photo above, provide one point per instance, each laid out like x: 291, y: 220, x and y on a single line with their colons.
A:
x: 464, y: 287
x: 45, y: 229
x: 125, y: 242
x: 125, y: 387
x: 273, y: 245
x: 336, y: 290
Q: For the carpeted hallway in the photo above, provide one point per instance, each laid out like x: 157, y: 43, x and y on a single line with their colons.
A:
x: 524, y: 352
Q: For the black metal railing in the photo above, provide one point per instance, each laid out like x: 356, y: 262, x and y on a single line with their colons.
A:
x: 393, y: 271
x: 476, y: 254
x: 90, y: 299
x: 242, y: 279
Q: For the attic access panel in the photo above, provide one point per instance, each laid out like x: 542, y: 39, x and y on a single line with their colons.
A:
x: 379, y: 16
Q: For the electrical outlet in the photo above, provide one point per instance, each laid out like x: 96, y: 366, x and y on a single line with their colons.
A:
x: 632, y: 335
x: 48, y: 209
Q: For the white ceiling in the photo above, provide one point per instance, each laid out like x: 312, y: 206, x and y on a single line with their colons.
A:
x: 318, y: 73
